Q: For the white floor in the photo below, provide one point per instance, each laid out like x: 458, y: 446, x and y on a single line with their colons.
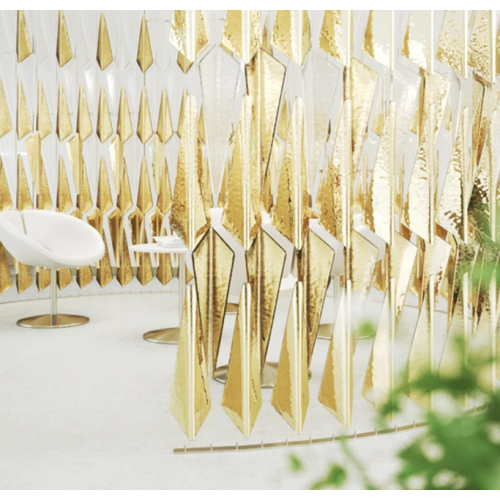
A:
x: 87, y: 407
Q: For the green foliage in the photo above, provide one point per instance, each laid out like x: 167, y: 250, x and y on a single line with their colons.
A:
x: 457, y: 450
x: 334, y: 478
x: 295, y: 463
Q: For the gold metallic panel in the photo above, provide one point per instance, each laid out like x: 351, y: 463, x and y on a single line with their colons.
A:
x: 242, y: 33
x: 453, y: 356
x: 379, y: 380
x: 104, y: 272
x: 482, y: 45
x: 452, y: 210
x: 43, y: 123
x: 418, y: 40
x: 378, y: 40
x: 24, y: 125
x: 242, y: 398
x: 452, y: 41
x: 5, y: 119
x: 104, y: 126
x: 421, y: 357
x: 164, y: 271
x: 23, y: 191
x: 83, y: 121
x: 23, y: 279
x: 144, y: 197
x: 43, y: 199
x: 33, y: 150
x: 189, y: 35
x: 434, y: 91
x: 282, y: 129
x: 486, y: 99
x: 104, y: 54
x: 124, y: 272
x: 144, y: 52
x: 272, y: 175
x: 64, y: 128
x: 64, y: 52
x: 336, y: 389
x: 64, y: 204
x: 84, y: 199
x: 363, y: 259
x: 124, y: 127
x: 5, y: 204
x: 5, y: 277
x: 314, y: 264
x: 290, y: 396
x: 124, y: 201
x: 265, y: 262
x: 213, y: 265
x: 190, y: 400
x: 188, y: 217
x: 482, y: 204
x: 290, y: 214
x: 144, y: 125
x: 164, y: 129
x: 421, y: 192
x: 117, y: 162
x: 241, y: 215
x: 24, y: 47
x: 104, y: 199
x: 331, y: 38
x: 335, y: 213
x: 265, y: 77
x: 291, y: 34
x: 363, y: 85
x: 164, y: 191
x: 382, y: 186
x: 42, y: 278
x: 74, y: 148
x: 5, y: 197
x: 138, y: 232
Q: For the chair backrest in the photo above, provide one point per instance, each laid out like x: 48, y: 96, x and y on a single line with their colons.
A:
x: 18, y: 244
x: 49, y: 239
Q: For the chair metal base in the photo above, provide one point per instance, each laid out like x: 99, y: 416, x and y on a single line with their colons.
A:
x: 53, y: 321
x: 163, y: 336
x: 267, y: 377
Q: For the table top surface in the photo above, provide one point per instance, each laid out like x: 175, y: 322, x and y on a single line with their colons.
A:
x: 156, y: 248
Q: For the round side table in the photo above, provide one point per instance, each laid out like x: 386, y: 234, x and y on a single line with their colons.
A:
x: 167, y: 335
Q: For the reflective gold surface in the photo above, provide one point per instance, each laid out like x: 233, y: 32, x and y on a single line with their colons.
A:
x: 104, y: 126
x: 290, y: 396
x: 24, y: 46
x: 242, y: 398
x: 242, y: 33
x: 104, y: 54
x: 144, y: 53
x: 5, y: 119
x: 291, y: 34
x: 213, y: 264
x: 452, y: 45
x: 64, y: 52
x: 190, y: 398
x: 265, y: 261
x: 24, y: 125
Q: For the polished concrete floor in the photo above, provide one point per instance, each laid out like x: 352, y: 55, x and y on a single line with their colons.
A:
x: 88, y: 407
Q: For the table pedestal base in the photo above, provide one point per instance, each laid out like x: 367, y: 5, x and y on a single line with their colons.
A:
x: 325, y: 331
x: 163, y: 336
x: 267, y: 377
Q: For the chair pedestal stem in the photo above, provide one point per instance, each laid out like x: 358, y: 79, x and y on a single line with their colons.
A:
x: 53, y: 320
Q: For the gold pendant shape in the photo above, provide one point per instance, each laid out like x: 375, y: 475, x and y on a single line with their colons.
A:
x: 190, y: 401
x: 291, y: 390
x: 242, y: 398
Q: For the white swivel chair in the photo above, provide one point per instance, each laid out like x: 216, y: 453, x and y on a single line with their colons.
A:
x: 51, y: 240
